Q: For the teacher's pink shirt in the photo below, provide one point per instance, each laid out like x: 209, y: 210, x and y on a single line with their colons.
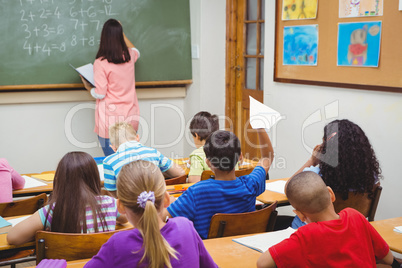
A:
x: 9, y: 180
x: 115, y: 93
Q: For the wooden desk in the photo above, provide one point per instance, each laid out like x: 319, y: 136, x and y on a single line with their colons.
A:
x: 224, y: 251
x: 386, y: 230
x: 269, y: 197
x: 182, y: 162
x: 34, y: 190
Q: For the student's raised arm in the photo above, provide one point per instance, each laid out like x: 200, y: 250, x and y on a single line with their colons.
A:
x: 25, y: 231
x: 267, y: 151
x: 312, y: 161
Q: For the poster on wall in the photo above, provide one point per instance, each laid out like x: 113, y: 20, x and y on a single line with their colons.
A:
x: 299, y: 9
x: 300, y: 45
x: 359, y: 44
x: 360, y: 8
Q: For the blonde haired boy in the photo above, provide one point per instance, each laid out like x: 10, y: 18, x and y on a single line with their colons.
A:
x: 125, y: 142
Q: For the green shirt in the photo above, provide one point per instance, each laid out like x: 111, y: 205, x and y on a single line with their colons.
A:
x: 197, y: 162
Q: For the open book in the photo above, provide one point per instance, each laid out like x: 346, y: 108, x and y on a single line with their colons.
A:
x: 262, y: 242
x: 87, y: 71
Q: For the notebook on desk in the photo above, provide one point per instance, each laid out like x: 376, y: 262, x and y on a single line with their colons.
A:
x: 4, y: 225
x: 31, y: 182
x: 262, y: 242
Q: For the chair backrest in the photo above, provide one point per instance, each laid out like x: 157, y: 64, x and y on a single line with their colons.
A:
x: 178, y: 180
x: 206, y: 174
x: 23, y: 206
x: 50, y: 245
x: 258, y: 221
x: 361, y: 202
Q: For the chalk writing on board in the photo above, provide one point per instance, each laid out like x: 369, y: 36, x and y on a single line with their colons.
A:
x: 44, y: 29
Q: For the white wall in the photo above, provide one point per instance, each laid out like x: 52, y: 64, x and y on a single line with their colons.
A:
x: 379, y: 114
x: 34, y: 137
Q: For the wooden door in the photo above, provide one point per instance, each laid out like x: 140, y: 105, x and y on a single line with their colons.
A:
x: 244, y: 67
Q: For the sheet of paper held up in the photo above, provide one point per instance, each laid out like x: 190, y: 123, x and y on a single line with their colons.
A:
x: 261, y: 116
x: 276, y: 186
x: 31, y: 182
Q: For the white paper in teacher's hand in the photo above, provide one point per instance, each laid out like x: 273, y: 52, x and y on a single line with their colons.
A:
x: 261, y: 116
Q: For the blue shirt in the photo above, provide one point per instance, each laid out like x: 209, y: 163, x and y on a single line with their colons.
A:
x: 128, y: 152
x: 206, y: 198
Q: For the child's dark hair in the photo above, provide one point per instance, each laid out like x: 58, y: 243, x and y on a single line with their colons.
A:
x: 203, y: 124
x: 348, y: 161
x: 222, y: 149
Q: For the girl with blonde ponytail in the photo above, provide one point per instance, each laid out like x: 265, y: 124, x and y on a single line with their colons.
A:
x: 142, y: 197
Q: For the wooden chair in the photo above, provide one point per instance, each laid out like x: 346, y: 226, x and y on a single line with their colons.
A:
x: 178, y: 180
x: 258, y: 221
x: 50, y: 245
x: 361, y: 202
x: 23, y: 206
x: 206, y: 174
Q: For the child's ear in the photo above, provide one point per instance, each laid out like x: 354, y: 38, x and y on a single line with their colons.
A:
x: 120, y: 208
x: 208, y: 163
x: 300, y: 215
x: 241, y: 158
x: 137, y: 137
x: 166, y: 200
x: 331, y: 194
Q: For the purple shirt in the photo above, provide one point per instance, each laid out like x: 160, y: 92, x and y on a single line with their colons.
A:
x: 123, y: 249
x: 9, y: 180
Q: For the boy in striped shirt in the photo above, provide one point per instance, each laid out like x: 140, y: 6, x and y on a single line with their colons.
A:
x: 125, y: 142
x: 226, y: 193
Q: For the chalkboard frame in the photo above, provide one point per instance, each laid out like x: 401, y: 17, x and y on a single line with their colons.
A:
x: 278, y: 68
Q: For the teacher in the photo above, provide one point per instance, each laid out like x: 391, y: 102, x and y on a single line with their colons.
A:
x: 114, y: 91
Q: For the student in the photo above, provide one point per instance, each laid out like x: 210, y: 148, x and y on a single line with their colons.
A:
x: 125, y: 143
x: 142, y: 196
x: 114, y: 77
x: 345, y: 160
x: 76, y: 204
x: 329, y: 239
x: 9, y: 180
x: 225, y: 193
x: 201, y: 126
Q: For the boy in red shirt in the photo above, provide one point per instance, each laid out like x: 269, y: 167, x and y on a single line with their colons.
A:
x: 346, y: 239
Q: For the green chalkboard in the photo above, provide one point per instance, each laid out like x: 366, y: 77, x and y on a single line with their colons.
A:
x: 40, y: 38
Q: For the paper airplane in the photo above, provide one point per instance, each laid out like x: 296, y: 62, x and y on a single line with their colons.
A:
x: 261, y: 116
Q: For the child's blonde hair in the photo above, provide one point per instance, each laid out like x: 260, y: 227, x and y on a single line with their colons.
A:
x: 120, y: 133
x: 135, y: 178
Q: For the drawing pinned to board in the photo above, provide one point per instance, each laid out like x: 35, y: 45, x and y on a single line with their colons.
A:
x: 360, y: 8
x: 359, y: 44
x: 300, y: 45
x: 299, y: 9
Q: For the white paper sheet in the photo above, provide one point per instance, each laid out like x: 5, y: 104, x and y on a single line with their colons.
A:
x: 101, y: 173
x: 262, y: 242
x: 31, y: 182
x: 400, y: 4
x: 276, y: 186
x: 18, y: 220
x: 87, y: 71
x: 261, y: 116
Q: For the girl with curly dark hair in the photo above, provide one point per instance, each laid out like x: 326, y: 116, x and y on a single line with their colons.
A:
x: 345, y: 160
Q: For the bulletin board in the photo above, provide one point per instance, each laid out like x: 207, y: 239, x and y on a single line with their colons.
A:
x: 386, y: 77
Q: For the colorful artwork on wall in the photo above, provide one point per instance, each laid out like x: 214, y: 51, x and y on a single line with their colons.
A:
x: 300, y: 45
x: 360, y: 8
x: 299, y: 9
x: 359, y: 44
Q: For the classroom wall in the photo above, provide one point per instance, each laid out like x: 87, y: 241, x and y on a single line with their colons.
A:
x: 378, y: 113
x: 34, y: 137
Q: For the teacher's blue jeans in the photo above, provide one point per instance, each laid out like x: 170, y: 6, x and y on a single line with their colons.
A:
x: 105, y: 143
